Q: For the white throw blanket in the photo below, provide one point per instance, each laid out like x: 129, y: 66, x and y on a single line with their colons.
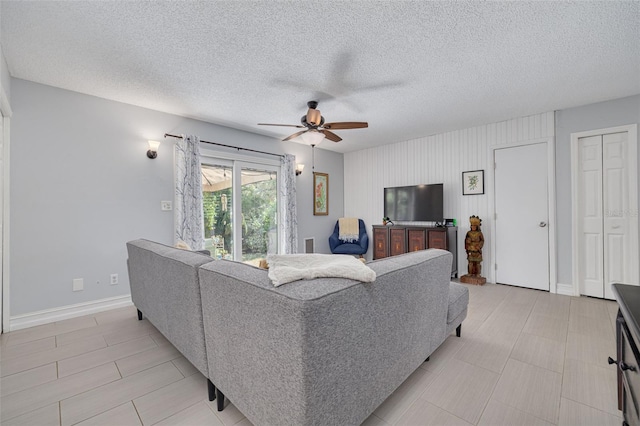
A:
x: 348, y: 229
x: 285, y: 268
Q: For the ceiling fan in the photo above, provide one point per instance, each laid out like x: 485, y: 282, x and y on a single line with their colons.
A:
x: 315, y: 126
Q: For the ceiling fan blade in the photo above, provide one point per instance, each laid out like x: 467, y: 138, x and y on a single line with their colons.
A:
x: 331, y: 136
x: 282, y: 125
x: 294, y: 135
x: 346, y: 125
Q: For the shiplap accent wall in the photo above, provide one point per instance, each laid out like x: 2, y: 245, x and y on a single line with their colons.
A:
x: 437, y: 159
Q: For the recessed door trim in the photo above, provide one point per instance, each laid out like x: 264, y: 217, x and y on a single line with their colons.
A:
x: 551, y: 194
x: 5, y: 108
x: 632, y: 154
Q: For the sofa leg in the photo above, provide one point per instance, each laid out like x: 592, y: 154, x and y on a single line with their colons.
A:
x: 139, y: 315
x: 427, y: 360
x: 212, y: 390
x: 220, y: 397
x: 458, y: 330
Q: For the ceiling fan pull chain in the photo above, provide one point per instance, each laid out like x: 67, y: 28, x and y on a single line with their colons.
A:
x: 313, y: 158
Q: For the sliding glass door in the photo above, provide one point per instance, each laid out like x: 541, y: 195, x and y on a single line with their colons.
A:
x: 217, y: 207
x: 259, y: 193
x: 240, y: 206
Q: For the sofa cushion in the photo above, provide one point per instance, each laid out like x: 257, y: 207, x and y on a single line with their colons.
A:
x: 458, y: 300
x: 348, y: 248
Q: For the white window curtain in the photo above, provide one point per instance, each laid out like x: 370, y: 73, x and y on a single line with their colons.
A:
x: 188, y: 197
x: 288, y: 212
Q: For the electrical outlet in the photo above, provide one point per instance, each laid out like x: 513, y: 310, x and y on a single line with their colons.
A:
x: 78, y: 284
x: 166, y: 205
x: 114, y: 279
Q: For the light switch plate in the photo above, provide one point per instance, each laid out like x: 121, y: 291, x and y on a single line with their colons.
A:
x: 78, y: 284
x: 166, y: 205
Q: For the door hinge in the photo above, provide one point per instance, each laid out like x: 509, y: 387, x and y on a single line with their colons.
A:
x: 495, y: 266
x: 495, y: 216
x: 495, y: 165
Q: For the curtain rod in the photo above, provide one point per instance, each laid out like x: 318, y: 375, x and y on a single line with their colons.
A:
x: 228, y: 146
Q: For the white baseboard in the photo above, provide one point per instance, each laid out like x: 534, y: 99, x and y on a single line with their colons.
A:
x: 565, y: 289
x: 65, y: 312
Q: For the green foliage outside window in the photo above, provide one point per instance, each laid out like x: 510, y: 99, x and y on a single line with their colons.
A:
x: 259, y: 208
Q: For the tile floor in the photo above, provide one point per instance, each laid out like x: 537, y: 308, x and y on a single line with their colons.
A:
x: 525, y: 358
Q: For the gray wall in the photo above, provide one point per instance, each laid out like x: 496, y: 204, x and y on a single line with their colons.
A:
x: 613, y: 113
x: 5, y: 78
x: 81, y: 186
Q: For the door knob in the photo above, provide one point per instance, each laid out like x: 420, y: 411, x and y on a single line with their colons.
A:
x: 542, y: 224
x: 625, y: 367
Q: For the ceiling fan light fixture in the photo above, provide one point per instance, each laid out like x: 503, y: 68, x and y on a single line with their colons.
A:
x: 314, y: 117
x: 312, y: 137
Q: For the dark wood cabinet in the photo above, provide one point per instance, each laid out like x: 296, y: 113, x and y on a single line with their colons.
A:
x: 628, y: 357
x: 438, y: 239
x: 397, y: 239
x: 380, y: 242
x: 416, y: 237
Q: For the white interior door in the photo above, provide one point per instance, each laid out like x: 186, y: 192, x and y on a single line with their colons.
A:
x: 620, y: 224
x: 522, y: 216
x: 590, y: 211
x: 607, y: 212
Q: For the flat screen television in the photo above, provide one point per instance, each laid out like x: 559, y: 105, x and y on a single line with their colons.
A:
x: 419, y: 203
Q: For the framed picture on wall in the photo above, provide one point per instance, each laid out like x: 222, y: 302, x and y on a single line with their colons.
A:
x: 320, y: 194
x: 473, y: 182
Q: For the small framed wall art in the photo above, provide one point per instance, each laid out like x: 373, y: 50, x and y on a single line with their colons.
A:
x: 473, y: 182
x: 320, y: 194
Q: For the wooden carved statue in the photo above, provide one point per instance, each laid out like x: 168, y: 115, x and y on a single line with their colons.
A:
x: 473, y: 242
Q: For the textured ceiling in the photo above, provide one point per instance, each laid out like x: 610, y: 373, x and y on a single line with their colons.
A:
x: 410, y: 69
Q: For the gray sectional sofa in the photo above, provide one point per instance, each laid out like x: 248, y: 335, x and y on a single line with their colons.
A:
x: 166, y: 290
x: 319, y: 352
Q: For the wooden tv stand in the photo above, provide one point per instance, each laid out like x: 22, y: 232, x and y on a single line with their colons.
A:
x: 392, y: 240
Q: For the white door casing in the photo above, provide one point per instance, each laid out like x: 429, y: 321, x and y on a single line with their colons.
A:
x: 605, y: 210
x: 522, y: 216
x: 5, y: 116
x: 1, y: 214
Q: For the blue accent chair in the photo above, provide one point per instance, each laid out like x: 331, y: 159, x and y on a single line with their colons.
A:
x: 359, y: 247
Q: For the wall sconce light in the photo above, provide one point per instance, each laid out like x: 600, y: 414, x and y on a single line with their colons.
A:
x: 299, y: 169
x: 153, y: 149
